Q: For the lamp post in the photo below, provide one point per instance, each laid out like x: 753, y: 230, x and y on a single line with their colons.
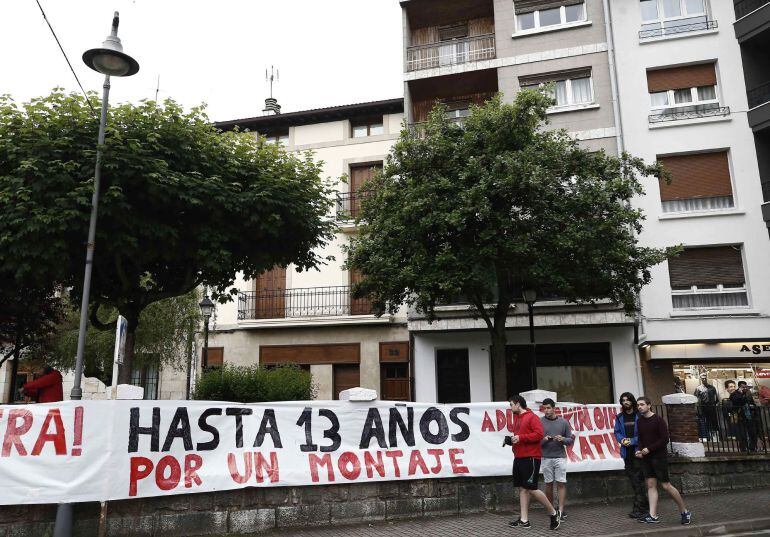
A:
x: 530, y: 297
x: 207, y: 308
x: 109, y: 60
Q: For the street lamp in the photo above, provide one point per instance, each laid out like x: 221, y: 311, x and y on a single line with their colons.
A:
x: 110, y: 60
x: 530, y: 297
x: 207, y: 308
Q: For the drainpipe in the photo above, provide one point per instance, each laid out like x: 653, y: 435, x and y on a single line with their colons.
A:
x: 613, y: 77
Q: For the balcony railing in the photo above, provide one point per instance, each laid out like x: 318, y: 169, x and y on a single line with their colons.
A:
x: 689, y: 112
x: 678, y: 29
x: 744, y: 7
x: 759, y: 95
x: 349, y: 205
x: 333, y: 301
x: 457, y: 51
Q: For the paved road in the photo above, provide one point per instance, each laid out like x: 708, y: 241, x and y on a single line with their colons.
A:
x: 595, y: 520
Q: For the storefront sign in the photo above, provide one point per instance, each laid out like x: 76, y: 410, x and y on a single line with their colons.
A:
x: 79, y: 451
x: 748, y: 351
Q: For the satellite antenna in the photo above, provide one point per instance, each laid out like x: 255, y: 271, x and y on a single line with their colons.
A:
x: 271, y: 103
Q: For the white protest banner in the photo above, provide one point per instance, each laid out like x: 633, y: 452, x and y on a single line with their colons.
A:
x: 78, y: 451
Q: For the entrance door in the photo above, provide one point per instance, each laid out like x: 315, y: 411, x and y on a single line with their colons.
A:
x: 453, y: 376
x: 394, y: 381
x: 346, y: 376
x: 270, y: 294
x: 518, y: 368
x: 359, y: 175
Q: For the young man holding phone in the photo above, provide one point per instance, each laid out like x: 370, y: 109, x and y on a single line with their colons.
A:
x: 558, y: 435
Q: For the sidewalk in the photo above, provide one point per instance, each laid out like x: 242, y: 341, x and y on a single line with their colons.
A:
x: 713, y: 514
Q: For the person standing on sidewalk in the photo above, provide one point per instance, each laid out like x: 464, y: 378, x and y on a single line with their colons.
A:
x: 557, y: 435
x: 652, y: 450
x: 527, y: 435
x: 626, y: 434
x: 47, y: 388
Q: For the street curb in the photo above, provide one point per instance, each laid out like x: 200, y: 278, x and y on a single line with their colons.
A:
x: 703, y: 530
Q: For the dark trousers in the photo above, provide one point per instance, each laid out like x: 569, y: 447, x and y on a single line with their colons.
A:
x: 635, y: 475
x: 746, y: 430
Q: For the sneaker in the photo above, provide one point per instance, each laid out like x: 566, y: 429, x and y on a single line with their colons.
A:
x: 555, y: 521
x: 686, y: 517
x: 519, y: 523
x: 649, y: 519
x: 563, y: 516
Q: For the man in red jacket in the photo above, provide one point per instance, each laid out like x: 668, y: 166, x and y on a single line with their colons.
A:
x: 47, y: 388
x: 526, y: 439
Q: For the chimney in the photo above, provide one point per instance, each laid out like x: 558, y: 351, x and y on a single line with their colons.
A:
x: 271, y: 107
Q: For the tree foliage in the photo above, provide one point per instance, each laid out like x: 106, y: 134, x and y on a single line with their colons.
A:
x: 182, y: 204
x: 255, y: 384
x: 496, y: 206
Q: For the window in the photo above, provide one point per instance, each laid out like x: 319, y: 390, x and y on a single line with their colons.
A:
x: 684, y: 92
x: 699, y: 182
x: 281, y: 138
x: 710, y: 277
x: 457, y: 111
x: 453, y: 382
x: 535, y: 14
x: 454, y: 47
x: 367, y: 127
x: 571, y: 88
x: 662, y: 17
x: 147, y: 377
x: 214, y: 356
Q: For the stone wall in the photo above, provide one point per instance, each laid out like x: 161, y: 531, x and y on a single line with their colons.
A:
x: 255, y: 510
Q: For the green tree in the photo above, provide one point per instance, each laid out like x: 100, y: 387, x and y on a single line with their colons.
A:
x: 496, y: 206
x: 182, y: 203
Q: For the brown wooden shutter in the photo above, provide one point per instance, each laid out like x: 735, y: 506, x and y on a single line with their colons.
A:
x: 696, y: 176
x: 673, y: 78
x: 270, y: 294
x: 454, y: 31
x: 361, y: 174
x: 554, y: 76
x: 332, y: 353
x: 707, y: 266
x: 215, y: 356
x: 528, y: 6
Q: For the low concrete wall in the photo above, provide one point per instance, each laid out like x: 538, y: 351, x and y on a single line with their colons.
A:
x: 256, y: 510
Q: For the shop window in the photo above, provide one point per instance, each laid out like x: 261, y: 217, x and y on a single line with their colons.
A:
x: 709, y: 278
x: 367, y: 127
x: 532, y: 15
x: 573, y: 88
x: 699, y: 182
x: 453, y: 376
x: 147, y: 376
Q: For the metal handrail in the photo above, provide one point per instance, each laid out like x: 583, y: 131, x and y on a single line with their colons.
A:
x: 470, y: 49
x: 331, y: 301
x: 759, y: 95
x: 744, y: 7
x: 349, y: 204
x: 676, y: 114
x: 694, y: 27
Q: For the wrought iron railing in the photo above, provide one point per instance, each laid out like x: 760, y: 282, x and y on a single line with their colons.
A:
x: 678, y: 29
x: 726, y: 430
x: 332, y: 301
x: 744, y: 7
x: 349, y: 204
x: 689, y: 112
x: 452, y: 52
x: 759, y: 95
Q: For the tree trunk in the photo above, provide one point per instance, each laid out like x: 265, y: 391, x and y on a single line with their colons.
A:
x: 124, y: 374
x: 498, y: 368
x: 14, y: 372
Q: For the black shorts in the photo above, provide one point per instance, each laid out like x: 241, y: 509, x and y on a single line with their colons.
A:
x: 526, y: 472
x: 657, y: 468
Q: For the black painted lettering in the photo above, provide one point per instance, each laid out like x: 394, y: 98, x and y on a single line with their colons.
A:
x: 373, y: 429
x: 206, y: 428
x: 179, y: 428
x: 465, y: 431
x: 268, y: 426
x: 238, y: 413
x: 134, y: 430
x: 407, y: 429
x: 430, y: 415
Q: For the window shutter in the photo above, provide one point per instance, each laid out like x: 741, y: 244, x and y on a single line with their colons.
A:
x: 215, y: 356
x: 528, y: 6
x: 696, y: 176
x: 673, y: 78
x: 554, y: 76
x: 456, y: 31
x: 707, y: 266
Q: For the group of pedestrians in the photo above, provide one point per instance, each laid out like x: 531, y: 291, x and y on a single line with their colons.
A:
x: 541, y: 444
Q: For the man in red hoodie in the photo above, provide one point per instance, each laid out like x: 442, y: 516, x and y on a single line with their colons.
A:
x: 526, y: 439
x: 47, y: 388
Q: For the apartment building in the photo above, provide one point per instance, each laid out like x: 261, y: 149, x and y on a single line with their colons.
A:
x: 309, y: 318
x: 683, y: 100
x: 460, y: 53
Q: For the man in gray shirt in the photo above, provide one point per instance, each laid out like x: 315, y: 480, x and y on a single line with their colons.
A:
x: 557, y: 435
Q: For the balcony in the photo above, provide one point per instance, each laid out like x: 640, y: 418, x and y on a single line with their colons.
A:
x: 752, y: 18
x: 744, y: 7
x: 454, y: 52
x: 759, y: 95
x: 349, y: 205
x: 308, y: 302
x: 682, y: 26
x: 689, y: 112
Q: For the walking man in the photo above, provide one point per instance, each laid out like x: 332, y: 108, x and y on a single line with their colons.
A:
x: 557, y: 435
x: 626, y: 434
x: 651, y: 449
x: 527, y: 435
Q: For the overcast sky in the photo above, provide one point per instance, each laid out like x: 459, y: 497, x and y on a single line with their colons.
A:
x: 328, y: 52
